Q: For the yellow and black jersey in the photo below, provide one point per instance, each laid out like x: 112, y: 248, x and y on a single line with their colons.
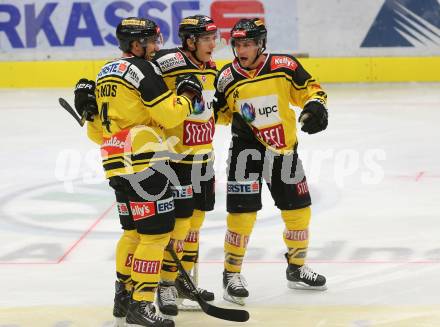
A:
x: 135, y: 106
x: 257, y: 102
x: 194, y: 136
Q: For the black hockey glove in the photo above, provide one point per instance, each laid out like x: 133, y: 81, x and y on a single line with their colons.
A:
x: 314, y: 117
x: 85, y: 99
x: 190, y: 83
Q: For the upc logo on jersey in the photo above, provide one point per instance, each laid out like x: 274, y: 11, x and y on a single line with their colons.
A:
x: 251, y: 187
x: 282, y: 62
x: 272, y: 136
x: 142, y: 210
x: 123, y: 209
x: 198, y: 133
x: 302, y: 188
x: 170, y: 61
x: 260, y: 111
x: 114, y: 68
x: 405, y: 23
x: 247, y: 112
x: 165, y: 205
x: 182, y: 192
x: 146, y: 266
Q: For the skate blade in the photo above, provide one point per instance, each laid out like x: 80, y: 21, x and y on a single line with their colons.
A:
x: 165, y: 316
x: 234, y: 299
x: 119, y: 322
x: 188, y: 305
x: 304, y: 286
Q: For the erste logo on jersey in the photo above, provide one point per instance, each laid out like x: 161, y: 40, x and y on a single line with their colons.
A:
x: 224, y: 79
x: 282, y: 62
x: 249, y: 187
x: 117, y: 68
x: 142, y: 210
x: 166, y: 205
x: 182, y: 192
x: 170, y: 61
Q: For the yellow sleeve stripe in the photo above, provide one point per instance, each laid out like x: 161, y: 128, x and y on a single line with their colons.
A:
x: 191, y: 71
x: 189, y: 103
x: 117, y: 81
x: 269, y: 76
x: 157, y: 100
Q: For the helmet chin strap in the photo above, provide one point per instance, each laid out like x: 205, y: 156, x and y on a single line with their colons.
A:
x: 259, y: 53
x: 193, y: 52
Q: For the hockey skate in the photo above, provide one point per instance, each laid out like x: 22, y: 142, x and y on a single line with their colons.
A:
x: 120, y: 307
x: 166, y: 299
x: 186, y: 300
x: 143, y: 314
x: 234, y: 285
x: 304, y: 278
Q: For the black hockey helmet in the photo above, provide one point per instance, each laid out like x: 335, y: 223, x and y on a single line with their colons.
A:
x: 136, y: 29
x: 249, y: 29
x: 195, y: 26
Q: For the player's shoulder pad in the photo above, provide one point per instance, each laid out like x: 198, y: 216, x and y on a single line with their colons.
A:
x: 283, y: 62
x: 169, y: 59
x: 224, y: 78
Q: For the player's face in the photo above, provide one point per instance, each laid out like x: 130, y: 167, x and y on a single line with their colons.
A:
x: 152, y: 45
x: 205, y: 46
x: 246, y: 52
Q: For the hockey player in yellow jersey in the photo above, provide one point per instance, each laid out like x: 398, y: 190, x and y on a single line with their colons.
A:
x: 128, y: 117
x: 253, y: 94
x: 192, y: 156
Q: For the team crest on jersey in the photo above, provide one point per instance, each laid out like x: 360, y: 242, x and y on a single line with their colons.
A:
x: 171, y: 61
x: 247, y: 112
x: 282, y: 62
x: 224, y: 79
x: 123, y: 209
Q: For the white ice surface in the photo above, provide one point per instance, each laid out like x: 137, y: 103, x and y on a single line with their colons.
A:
x: 374, y: 177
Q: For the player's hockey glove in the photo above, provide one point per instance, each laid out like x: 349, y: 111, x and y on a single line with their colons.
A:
x: 85, y: 99
x: 314, y: 117
x: 189, y: 83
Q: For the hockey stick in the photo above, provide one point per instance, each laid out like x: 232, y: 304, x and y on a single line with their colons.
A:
x: 81, y: 120
x: 209, y: 309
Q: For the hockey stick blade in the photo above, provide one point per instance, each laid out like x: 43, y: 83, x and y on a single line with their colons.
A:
x: 72, y: 112
x: 217, y: 312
